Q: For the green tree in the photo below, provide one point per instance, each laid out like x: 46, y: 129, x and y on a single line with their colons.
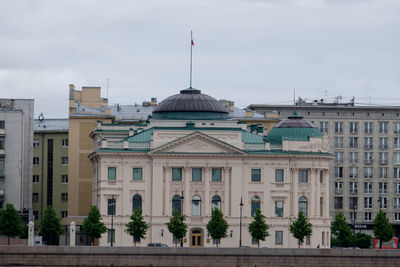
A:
x: 50, y: 227
x: 363, y: 240
x: 137, y: 227
x: 301, y: 228
x: 92, y: 225
x: 383, y: 230
x: 10, y: 222
x: 258, y: 229
x: 217, y: 226
x: 341, y: 231
x: 177, y: 226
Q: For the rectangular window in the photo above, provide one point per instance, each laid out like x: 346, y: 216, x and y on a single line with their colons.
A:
x: 111, y: 206
x: 338, y: 172
x: 383, y: 158
x: 1, y: 168
x: 35, y: 161
x: 111, y: 235
x: 396, y: 173
x: 368, y: 127
x: 383, y: 126
x: 137, y: 173
x: 396, y: 157
x: 324, y: 126
x: 383, y: 172
x: 383, y: 143
x: 383, y: 188
x: 216, y: 175
x: 256, y: 175
x: 353, y: 188
x: 64, y: 214
x: 278, y: 208
x: 353, y: 202
x: 367, y: 157
x: 353, y: 127
x: 368, y: 202
x: 36, y: 143
x: 196, y: 174
x: 112, y: 173
x: 1, y: 144
x: 303, y: 176
x: 338, y: 187
x: 64, y: 196
x: 368, y: 216
x: 367, y: 172
x: 368, y: 188
x: 64, y: 179
x: 396, y: 188
x: 353, y: 172
x: 339, y: 157
x: 396, y: 203
x: 353, y: 216
x: 64, y: 160
x: 35, y: 197
x: 338, y: 142
x: 368, y: 143
x: 397, y: 216
x: 396, y: 143
x: 353, y: 142
x: 338, y: 127
x: 35, y: 179
x: 278, y: 237
x: 396, y: 127
x: 176, y: 174
x: 65, y: 143
x: 35, y: 215
x: 2, y: 124
x: 382, y: 202
x: 353, y: 157
x: 339, y: 203
x: 279, y: 176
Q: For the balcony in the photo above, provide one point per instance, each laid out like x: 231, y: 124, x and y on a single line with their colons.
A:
x: 353, y: 192
x: 338, y: 191
x: 368, y: 146
x: 396, y: 206
x: 383, y: 161
x: 368, y: 161
x: 382, y: 191
x: 368, y: 191
x: 383, y: 146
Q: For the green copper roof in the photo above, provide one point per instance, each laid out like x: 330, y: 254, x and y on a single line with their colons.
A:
x: 276, y: 135
x: 141, y: 137
x: 250, y: 138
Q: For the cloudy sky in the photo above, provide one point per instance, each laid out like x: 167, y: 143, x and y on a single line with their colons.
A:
x: 248, y: 51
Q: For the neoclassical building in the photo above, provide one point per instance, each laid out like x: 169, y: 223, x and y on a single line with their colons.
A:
x: 190, y: 156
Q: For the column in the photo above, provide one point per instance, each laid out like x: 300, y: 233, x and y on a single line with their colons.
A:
x: 311, y: 201
x: 31, y: 241
x: 187, y: 201
x: 318, y: 196
x: 72, y: 234
x: 167, y: 183
x: 295, y: 180
x: 226, y: 204
x: 207, y: 175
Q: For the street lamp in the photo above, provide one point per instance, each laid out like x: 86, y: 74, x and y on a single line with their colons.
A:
x: 112, y: 206
x: 354, y: 222
x: 182, y: 198
x: 240, y: 226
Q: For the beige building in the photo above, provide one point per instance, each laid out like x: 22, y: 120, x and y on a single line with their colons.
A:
x: 191, y: 156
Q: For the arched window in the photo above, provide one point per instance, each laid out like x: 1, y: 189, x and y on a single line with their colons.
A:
x: 136, y: 202
x: 216, y: 202
x: 255, y: 204
x: 176, y: 204
x: 303, y: 205
x: 196, y: 206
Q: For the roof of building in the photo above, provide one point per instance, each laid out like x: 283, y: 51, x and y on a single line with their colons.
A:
x: 50, y: 125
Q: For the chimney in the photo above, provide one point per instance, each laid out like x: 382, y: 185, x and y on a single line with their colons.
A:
x: 154, y: 101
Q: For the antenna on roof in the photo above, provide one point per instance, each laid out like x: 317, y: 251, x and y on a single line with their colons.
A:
x: 191, y: 46
x: 107, y: 88
x: 294, y: 96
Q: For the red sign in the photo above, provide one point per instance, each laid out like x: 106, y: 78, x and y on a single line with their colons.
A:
x: 392, y: 244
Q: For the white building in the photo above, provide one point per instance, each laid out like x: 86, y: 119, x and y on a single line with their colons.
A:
x: 191, y: 149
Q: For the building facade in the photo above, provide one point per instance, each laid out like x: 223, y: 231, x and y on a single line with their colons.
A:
x: 16, y: 136
x: 192, y: 157
x: 366, y: 170
x: 50, y: 167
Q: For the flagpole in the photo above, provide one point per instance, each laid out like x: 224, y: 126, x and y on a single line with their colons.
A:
x: 191, y: 46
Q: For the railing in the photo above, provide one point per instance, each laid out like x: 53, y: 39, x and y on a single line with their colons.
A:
x: 383, y: 161
x: 368, y: 146
x: 115, y: 145
x: 367, y: 191
x: 254, y: 146
x: 338, y: 190
x: 368, y: 161
x: 396, y: 205
x: 139, y: 145
x: 353, y: 192
x: 383, y: 147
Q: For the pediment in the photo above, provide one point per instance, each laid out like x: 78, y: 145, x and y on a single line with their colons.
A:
x: 197, y: 142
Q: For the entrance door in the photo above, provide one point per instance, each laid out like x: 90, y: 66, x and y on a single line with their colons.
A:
x: 196, y: 238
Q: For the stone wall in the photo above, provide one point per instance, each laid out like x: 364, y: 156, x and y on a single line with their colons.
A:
x: 130, y: 256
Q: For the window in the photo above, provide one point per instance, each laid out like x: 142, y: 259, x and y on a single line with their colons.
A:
x: 303, y: 205
x: 353, y: 216
x: 396, y: 144
x: 367, y: 216
x: 382, y: 202
x: 111, y: 206
x: 65, y: 143
x: 368, y: 127
x: 112, y: 173
x: 36, y: 143
x: 1, y: 144
x: 396, y: 203
x: 279, y: 175
x: 35, y: 161
x: 64, y: 179
x: 383, y: 172
x: 353, y: 143
x: 368, y: 143
x: 137, y: 174
x: 397, y: 216
x: 353, y: 127
x: 176, y: 204
x: 64, y: 196
x: 397, y: 188
x: 111, y: 236
x: 383, y: 125
x: 339, y: 203
x: 339, y: 157
x: 368, y: 188
x: 321, y: 177
x: 35, y: 179
x: 1, y: 168
x: 339, y: 142
x: 368, y: 202
x: 396, y: 173
x: 2, y: 124
x: 353, y: 202
x: 382, y: 143
x: 35, y: 197
x: 396, y: 157
x: 176, y: 174
x: 353, y: 172
x: 303, y: 176
x: 367, y: 172
x: 216, y: 202
x: 353, y: 157
x: 338, y: 172
x: 278, y: 208
x: 323, y: 126
x: 383, y: 156
x: 196, y: 174
x: 367, y: 157
x: 256, y: 175
x: 216, y: 175
x: 35, y: 215
x: 278, y: 237
x: 136, y: 202
x: 255, y: 205
x: 338, y: 187
x: 196, y: 206
x: 64, y: 214
x: 353, y: 188
x: 338, y: 127
x: 64, y: 160
x: 396, y: 127
x: 383, y: 188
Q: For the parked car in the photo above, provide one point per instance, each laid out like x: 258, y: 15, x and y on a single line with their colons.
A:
x: 157, y: 245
